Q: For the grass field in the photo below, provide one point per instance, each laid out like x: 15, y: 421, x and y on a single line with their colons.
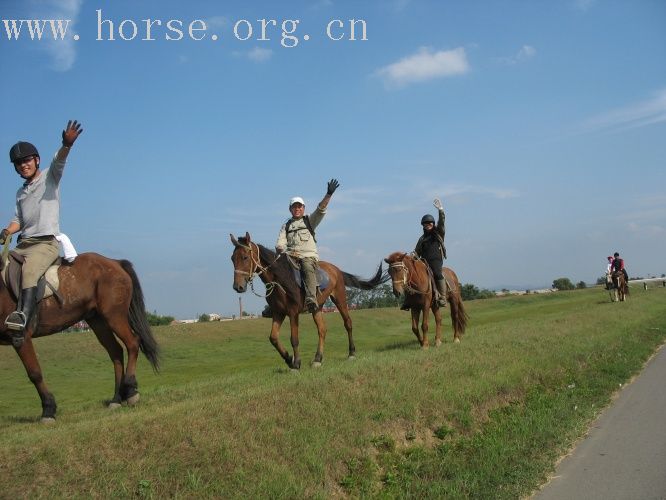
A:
x: 486, y: 418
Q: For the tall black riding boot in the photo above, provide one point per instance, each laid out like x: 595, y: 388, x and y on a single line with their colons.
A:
x: 19, y: 320
x: 441, y: 288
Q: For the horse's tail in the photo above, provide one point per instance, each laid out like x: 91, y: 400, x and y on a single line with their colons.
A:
x: 356, y: 282
x: 138, y: 320
x: 458, y: 314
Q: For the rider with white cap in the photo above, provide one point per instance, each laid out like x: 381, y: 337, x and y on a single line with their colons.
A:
x: 297, y: 238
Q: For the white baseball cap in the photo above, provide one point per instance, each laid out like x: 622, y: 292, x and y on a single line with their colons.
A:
x: 296, y: 199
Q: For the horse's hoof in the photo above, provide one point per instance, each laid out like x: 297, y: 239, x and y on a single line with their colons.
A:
x: 133, y: 400
x: 114, y: 406
x: 456, y: 341
x: 438, y: 343
x: 47, y: 420
x: 295, y: 370
x: 351, y: 358
x: 316, y: 364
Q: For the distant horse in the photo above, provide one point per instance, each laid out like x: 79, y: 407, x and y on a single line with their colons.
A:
x: 286, y: 298
x: 106, y: 294
x: 620, y: 288
x: 411, y: 276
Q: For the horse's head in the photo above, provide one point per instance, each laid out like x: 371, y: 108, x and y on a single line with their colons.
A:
x: 398, y: 272
x: 245, y: 259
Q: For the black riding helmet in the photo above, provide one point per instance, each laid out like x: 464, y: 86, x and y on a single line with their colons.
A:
x: 22, y: 150
x: 427, y: 218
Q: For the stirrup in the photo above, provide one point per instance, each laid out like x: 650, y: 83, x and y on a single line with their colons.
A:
x: 16, y: 321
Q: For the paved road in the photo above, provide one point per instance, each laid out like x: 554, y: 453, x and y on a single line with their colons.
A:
x: 624, y: 454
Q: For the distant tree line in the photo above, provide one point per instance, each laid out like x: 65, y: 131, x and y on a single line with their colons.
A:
x: 472, y: 292
x: 382, y: 296
x: 155, y: 319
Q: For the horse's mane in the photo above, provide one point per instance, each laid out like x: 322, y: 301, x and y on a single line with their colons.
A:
x: 281, y: 269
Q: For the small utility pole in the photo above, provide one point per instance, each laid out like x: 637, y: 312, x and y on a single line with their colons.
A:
x: 240, y: 307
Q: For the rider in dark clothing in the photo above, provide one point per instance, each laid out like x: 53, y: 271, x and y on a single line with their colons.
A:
x: 618, y: 265
x: 431, y: 248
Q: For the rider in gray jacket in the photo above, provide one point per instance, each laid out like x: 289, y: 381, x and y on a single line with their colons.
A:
x: 297, y: 239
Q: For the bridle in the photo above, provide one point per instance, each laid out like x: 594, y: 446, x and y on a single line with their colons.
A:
x: 405, y: 281
x: 257, y: 269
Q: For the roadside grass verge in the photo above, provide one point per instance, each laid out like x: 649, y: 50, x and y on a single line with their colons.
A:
x: 487, y: 418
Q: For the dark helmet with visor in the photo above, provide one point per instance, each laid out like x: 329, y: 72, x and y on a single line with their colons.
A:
x: 22, y: 150
x: 427, y: 218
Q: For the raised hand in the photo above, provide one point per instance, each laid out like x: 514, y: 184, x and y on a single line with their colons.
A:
x: 438, y: 204
x: 71, y: 133
x: 333, y: 184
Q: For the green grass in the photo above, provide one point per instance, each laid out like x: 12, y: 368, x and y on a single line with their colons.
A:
x: 486, y: 418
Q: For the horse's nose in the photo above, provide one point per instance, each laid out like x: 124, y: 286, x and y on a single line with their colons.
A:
x: 239, y: 288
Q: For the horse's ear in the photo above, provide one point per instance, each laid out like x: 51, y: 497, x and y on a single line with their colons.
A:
x: 247, y: 237
x: 234, y: 240
x: 386, y: 260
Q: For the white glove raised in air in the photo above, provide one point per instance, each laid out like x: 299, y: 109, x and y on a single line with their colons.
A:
x: 438, y: 204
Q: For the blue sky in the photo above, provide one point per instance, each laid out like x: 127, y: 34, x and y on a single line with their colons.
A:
x: 541, y: 125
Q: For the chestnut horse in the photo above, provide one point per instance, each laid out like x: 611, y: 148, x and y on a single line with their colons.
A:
x: 411, y: 276
x: 286, y: 298
x: 106, y: 294
x: 619, y: 289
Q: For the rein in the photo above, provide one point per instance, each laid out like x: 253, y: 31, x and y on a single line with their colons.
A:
x: 258, y: 270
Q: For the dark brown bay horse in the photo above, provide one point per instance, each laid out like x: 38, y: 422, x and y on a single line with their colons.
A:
x: 286, y: 298
x: 412, y: 277
x: 619, y: 287
x: 106, y: 294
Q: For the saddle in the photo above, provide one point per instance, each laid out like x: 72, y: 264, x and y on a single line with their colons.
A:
x: 323, y: 279
x: 433, y: 283
x: 47, y: 285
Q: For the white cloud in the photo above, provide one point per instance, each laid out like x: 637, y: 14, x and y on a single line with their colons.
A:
x: 526, y: 52
x: 425, y: 65
x: 321, y: 4
x: 636, y: 115
x: 259, y: 54
x: 62, y: 52
x: 468, y: 189
x: 400, y: 5
x: 584, y: 5
x: 216, y: 22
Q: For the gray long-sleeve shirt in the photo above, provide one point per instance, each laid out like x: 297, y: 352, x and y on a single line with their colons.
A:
x: 38, y: 203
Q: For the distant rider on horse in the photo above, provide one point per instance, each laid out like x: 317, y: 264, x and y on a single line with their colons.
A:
x: 618, y: 265
x: 37, y: 216
x: 430, y: 248
x: 297, y: 239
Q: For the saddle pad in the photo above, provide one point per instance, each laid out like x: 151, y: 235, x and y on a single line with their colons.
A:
x: 322, y: 278
x: 11, y: 272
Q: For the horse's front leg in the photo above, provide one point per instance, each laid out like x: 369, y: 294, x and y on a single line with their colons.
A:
x: 438, y: 326
x: 424, y: 327
x: 275, y: 338
x: 415, y: 324
x: 293, y: 323
x: 29, y: 359
x: 321, y: 330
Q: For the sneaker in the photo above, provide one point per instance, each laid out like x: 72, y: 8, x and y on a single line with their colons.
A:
x: 267, y: 313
